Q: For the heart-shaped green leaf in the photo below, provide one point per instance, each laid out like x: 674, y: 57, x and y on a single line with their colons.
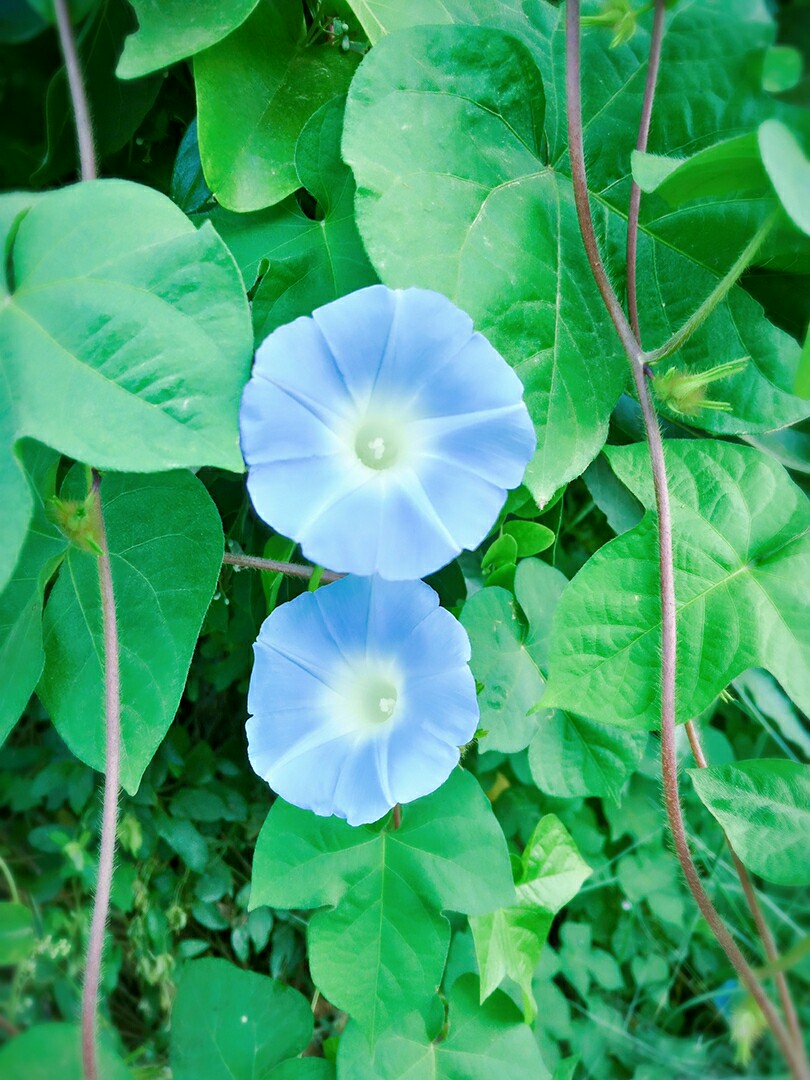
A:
x: 741, y: 540
x: 255, y: 92
x: 252, y: 1023
x: 379, y: 951
x: 165, y: 541
x: 173, y: 29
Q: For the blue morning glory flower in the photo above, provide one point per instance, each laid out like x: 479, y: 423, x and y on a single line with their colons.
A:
x: 360, y: 697
x: 383, y: 433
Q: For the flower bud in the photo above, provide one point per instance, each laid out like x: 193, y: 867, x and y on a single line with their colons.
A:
x: 684, y: 392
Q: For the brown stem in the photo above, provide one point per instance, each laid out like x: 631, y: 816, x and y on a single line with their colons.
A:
x: 9, y: 1028
x: 755, y: 908
x: 109, y: 816
x: 643, y: 134
x: 81, y: 110
x: 252, y: 562
x: 669, y: 763
x: 576, y: 152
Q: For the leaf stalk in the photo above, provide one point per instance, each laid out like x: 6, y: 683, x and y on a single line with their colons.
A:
x: 273, y: 566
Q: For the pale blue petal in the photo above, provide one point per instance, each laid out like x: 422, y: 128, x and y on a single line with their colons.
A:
x: 303, y: 768
x: 443, y: 705
x: 296, y: 358
x: 409, y: 353
x: 419, y: 764
x: 274, y: 427
x: 494, y: 444
x: 428, y: 333
x: 410, y: 514
x: 344, y: 613
x: 289, y: 495
x: 386, y: 525
x: 477, y: 379
x: 436, y: 644
x: 356, y: 329
x: 469, y: 501
x: 278, y: 683
x: 344, y: 534
x: 299, y: 737
x: 362, y: 793
x: 396, y: 612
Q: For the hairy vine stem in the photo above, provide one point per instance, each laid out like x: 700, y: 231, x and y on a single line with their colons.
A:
x: 112, y: 676
x: 632, y: 347
x: 109, y: 816
x: 78, y: 96
x: 253, y: 562
x: 654, y: 63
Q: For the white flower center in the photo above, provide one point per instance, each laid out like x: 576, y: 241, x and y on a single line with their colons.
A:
x: 379, y: 443
x: 370, y: 696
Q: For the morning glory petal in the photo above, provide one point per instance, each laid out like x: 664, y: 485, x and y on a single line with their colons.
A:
x: 297, y: 432
x: 458, y: 495
x: 488, y: 383
x: 357, y: 331
x: 487, y: 444
x: 360, y: 697
x: 295, y: 494
x: 296, y: 357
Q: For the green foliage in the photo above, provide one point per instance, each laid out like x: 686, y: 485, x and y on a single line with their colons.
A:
x: 255, y: 92
x: 16, y: 933
x: 165, y: 545
x: 528, y: 918
x: 480, y: 1040
x: 229, y: 1024
x: 156, y: 347
x: 380, y: 949
x: 48, y: 1050
x: 118, y: 108
x: 736, y: 565
x: 788, y: 169
x: 300, y: 261
x: 764, y: 808
x: 509, y: 941
x: 21, y: 653
x: 168, y: 32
